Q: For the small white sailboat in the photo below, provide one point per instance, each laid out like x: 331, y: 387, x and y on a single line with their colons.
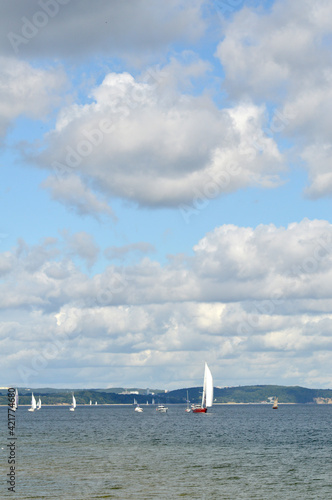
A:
x: 33, y: 403
x: 16, y: 401
x: 138, y: 409
x: 90, y: 402
x: 152, y: 401
x: 162, y: 408
x: 39, y: 404
x: 96, y: 403
x: 188, y: 410
x: 275, y: 404
x: 207, y: 396
x: 73, y: 404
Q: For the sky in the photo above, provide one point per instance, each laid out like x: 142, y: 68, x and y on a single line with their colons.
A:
x: 165, y: 193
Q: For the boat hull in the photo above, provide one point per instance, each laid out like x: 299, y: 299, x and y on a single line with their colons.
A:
x: 199, y: 410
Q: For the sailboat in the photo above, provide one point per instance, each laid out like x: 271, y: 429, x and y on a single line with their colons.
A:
x: 16, y: 401
x: 96, y: 403
x: 33, y: 403
x: 137, y: 407
x: 162, y: 408
x: 73, y: 404
x: 188, y: 410
x: 39, y: 404
x: 275, y: 404
x: 207, y: 396
x: 90, y: 402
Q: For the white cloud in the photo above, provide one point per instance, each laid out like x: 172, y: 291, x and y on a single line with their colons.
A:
x: 82, y: 244
x: 75, y: 195
x: 156, y: 146
x: 246, y: 296
x: 283, y: 57
x: 25, y: 90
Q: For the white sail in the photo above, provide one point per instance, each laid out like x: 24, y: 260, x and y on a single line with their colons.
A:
x: 90, y: 402
x: 33, y: 403
x: 207, y: 397
x: 73, y: 406
x: 39, y: 404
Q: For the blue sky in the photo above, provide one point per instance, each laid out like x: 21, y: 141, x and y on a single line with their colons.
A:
x: 166, y: 193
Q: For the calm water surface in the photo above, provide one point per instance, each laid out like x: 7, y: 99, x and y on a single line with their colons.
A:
x: 233, y: 452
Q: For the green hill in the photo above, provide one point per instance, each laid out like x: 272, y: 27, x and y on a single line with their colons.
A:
x: 244, y: 394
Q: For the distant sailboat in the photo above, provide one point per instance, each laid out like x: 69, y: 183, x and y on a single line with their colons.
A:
x: 138, y: 409
x: 152, y: 401
x: 162, y: 408
x: 96, y: 403
x: 39, y: 404
x: 73, y: 404
x: 188, y: 410
x: 33, y: 403
x: 275, y: 404
x: 90, y: 402
x: 207, y: 396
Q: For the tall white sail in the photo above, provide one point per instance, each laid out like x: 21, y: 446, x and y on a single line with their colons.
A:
x: 39, y: 404
x: 207, y: 398
x: 73, y: 406
x: 33, y: 403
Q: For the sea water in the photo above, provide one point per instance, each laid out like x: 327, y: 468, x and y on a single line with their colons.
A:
x: 231, y: 452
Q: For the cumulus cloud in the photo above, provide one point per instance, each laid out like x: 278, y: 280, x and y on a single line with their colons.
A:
x: 246, y: 294
x: 282, y: 57
x: 140, y: 141
x: 26, y: 90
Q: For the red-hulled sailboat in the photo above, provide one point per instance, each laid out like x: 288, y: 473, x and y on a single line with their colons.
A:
x: 207, y: 396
